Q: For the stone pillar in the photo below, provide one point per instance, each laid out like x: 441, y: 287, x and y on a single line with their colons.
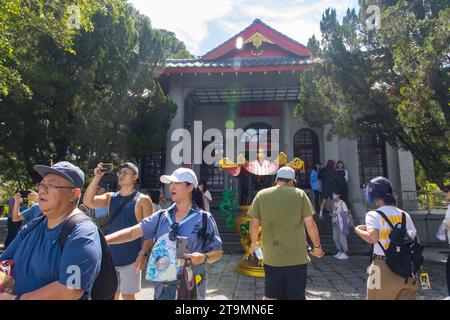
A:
x: 286, y: 144
x: 330, y: 148
x: 177, y: 95
x: 407, y: 180
x: 348, y: 149
x: 393, y: 170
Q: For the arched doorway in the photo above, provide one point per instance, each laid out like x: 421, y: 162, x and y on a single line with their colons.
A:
x: 250, y: 184
x: 306, y: 147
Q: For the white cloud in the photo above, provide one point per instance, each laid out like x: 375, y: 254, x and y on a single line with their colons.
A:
x: 187, y: 19
x: 190, y: 20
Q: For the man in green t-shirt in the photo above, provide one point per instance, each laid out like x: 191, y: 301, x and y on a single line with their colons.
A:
x: 283, y: 212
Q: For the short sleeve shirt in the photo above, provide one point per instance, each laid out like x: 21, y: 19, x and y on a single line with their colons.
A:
x: 31, y: 213
x: 281, y: 211
x: 39, y: 260
x: 158, y: 224
x: 375, y: 221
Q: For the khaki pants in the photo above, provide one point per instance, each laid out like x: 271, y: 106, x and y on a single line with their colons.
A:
x: 383, y: 284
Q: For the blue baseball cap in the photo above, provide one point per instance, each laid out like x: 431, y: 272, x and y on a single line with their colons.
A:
x: 63, y: 169
x: 379, y: 188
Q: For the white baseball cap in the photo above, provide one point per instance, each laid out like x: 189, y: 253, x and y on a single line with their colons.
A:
x: 286, y: 173
x: 181, y: 175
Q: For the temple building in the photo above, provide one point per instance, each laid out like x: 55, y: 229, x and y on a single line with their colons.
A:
x: 251, y: 81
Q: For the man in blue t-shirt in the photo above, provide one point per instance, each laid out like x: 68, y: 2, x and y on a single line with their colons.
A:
x: 30, y: 213
x: 42, y: 269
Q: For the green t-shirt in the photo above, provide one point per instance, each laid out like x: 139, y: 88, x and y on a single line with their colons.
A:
x: 282, y: 210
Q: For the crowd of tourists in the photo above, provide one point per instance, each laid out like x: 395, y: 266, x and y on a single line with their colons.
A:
x: 65, y: 242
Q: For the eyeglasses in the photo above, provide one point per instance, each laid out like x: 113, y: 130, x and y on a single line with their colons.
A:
x: 47, y: 186
x: 173, y: 231
x: 123, y: 173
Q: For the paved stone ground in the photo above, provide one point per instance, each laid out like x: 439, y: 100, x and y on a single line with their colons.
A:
x: 328, y: 278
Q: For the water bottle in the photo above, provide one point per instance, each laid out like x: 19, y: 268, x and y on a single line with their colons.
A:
x: 259, y: 253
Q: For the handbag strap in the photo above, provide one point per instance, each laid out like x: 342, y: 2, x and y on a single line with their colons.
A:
x: 124, y: 202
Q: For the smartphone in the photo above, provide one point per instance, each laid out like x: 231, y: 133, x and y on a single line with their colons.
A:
x: 425, y: 281
x: 107, y: 168
x: 182, y: 247
x: 24, y: 193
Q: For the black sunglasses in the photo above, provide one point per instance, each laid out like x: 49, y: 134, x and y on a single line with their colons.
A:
x: 173, y: 231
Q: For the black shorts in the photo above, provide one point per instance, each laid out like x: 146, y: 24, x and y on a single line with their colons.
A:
x: 285, y: 283
x: 327, y: 194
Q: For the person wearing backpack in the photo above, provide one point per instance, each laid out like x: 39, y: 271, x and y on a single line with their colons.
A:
x: 47, y: 267
x: 177, y: 277
x: 126, y: 208
x: 397, y: 255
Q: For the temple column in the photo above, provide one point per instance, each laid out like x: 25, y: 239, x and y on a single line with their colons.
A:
x: 330, y: 148
x: 348, y: 149
x: 177, y: 94
x: 407, y: 180
x: 286, y: 143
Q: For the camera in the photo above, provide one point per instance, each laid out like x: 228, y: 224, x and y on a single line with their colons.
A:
x: 107, y: 168
x: 24, y: 193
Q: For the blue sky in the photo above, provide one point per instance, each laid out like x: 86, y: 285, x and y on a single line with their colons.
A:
x: 204, y: 24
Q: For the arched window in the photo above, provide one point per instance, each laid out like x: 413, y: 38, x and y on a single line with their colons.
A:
x: 372, y: 157
x: 306, y: 147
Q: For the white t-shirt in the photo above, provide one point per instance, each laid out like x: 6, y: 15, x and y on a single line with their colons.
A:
x: 337, y: 208
x: 208, y: 196
x: 375, y: 221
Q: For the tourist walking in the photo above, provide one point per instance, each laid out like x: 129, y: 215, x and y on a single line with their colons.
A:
x: 284, y: 212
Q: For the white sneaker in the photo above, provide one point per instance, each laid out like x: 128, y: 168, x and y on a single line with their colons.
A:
x: 448, y: 298
x: 343, y: 256
x: 337, y: 254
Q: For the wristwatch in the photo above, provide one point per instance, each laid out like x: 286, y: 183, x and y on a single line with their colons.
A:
x: 143, y: 253
x: 206, y: 258
x: 318, y: 246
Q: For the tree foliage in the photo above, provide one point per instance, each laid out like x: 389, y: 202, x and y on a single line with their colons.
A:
x: 98, y: 101
x: 393, y: 80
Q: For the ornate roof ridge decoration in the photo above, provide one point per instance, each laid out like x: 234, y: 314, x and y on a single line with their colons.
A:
x: 257, y: 40
x: 294, y: 47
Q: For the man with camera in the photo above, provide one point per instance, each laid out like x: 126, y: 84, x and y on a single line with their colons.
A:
x: 126, y: 208
x: 14, y: 226
x: 29, y: 214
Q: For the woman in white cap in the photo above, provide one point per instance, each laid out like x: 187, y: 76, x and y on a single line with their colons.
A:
x: 184, y: 223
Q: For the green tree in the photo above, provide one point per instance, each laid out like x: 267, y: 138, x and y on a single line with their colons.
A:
x: 392, y: 80
x: 22, y: 21
x: 174, y: 48
x: 100, y: 104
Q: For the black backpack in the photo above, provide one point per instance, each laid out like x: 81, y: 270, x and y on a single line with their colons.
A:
x: 404, y: 254
x: 106, y: 283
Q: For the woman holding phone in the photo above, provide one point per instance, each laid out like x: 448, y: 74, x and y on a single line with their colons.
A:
x: 183, y: 219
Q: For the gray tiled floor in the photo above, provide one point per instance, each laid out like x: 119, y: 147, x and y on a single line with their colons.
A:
x: 328, y: 278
